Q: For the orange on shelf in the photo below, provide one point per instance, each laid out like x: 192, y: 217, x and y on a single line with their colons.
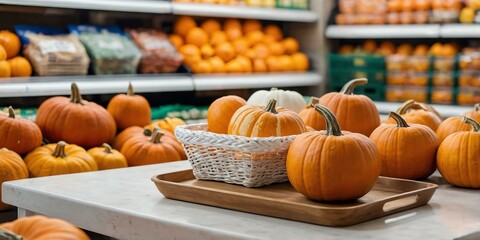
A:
x: 3, y: 53
x: 217, y: 64
x: 183, y: 25
x: 449, y: 50
x: 233, y: 33
x: 20, y: 67
x: 202, y: 67
x: 300, y: 61
x: 251, y: 25
x: 267, y: 39
x: 5, y: 70
x: 421, y: 50
x: 291, y: 45
x: 241, y: 46
x: 405, y: 49
x: 386, y: 48
x: 234, y: 67
x: 259, y: 65
x: 346, y: 49
x: 176, y: 40
x: 261, y: 51
x: 422, y: 5
x: 218, y: 37
x: 10, y: 42
x: 394, y: 5
x: 276, y: 48
x: 273, y: 64
x: 246, y: 63
x: 436, y: 49
x: 225, y: 51
x: 210, y: 26
x: 197, y: 37
x: 232, y: 23
x: 189, y: 50
x: 207, y: 51
x: 370, y: 46
x: 255, y: 37
x: 286, y: 63
x: 407, y: 5
x: 274, y: 31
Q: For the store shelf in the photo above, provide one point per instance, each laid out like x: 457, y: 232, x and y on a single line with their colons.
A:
x: 444, y: 110
x: 220, y: 82
x: 383, y: 31
x: 144, y: 6
x: 460, y: 31
x: 49, y: 86
x: 209, y: 10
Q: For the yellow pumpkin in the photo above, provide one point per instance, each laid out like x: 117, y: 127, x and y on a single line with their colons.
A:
x: 107, y: 158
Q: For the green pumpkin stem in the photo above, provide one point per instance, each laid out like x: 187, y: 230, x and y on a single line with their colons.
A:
x: 400, y: 121
x: 313, y: 101
x: 108, y: 148
x: 11, y: 112
x: 76, y: 97
x: 130, y: 89
x: 409, y: 104
x: 272, y: 106
x: 476, y: 108
x: 352, y: 84
x: 332, y: 124
x: 59, y: 151
x: 475, y: 124
x: 156, y: 136
x: 8, y: 235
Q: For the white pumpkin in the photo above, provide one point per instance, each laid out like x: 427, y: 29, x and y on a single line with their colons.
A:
x: 287, y: 99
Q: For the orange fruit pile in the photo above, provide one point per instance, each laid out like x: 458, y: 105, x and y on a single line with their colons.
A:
x: 12, y: 65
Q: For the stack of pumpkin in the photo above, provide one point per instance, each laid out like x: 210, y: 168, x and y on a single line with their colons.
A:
x: 12, y: 65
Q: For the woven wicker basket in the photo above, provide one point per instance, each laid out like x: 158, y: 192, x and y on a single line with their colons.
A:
x: 251, y: 162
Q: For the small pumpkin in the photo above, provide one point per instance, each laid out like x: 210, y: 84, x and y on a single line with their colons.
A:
x: 413, y: 112
x: 59, y: 158
x: 40, y: 227
x: 130, y: 109
x: 286, y: 99
x: 107, y: 158
x: 18, y: 134
x: 311, y: 117
x: 458, y: 157
x: 355, y: 113
x: 221, y: 111
x: 168, y: 124
x: 474, y: 113
x: 407, y: 151
x: 12, y: 167
x: 332, y: 165
x: 75, y: 121
x: 156, y: 149
x: 451, y: 125
x: 257, y: 121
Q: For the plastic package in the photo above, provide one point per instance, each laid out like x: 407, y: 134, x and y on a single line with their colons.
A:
x: 158, y: 54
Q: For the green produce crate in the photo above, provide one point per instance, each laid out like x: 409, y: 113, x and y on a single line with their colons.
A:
x: 374, y: 92
x: 341, y: 61
x: 342, y: 76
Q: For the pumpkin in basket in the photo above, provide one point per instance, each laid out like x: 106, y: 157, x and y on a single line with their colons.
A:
x: 332, y: 165
x: 75, y: 121
x: 414, y: 112
x: 458, y: 157
x: 12, y: 167
x: 158, y: 148
x: 286, y: 99
x: 107, y: 158
x: 221, y: 111
x: 168, y: 124
x: 18, y: 134
x: 407, y: 151
x: 130, y: 109
x: 59, y: 158
x: 41, y: 227
x: 311, y: 117
x: 355, y: 113
x: 269, y: 121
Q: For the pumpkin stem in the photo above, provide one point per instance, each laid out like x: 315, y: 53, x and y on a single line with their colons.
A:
x: 8, y: 235
x: 400, y: 121
x: 332, y: 124
x: 273, y: 89
x: 76, y: 97
x: 271, y: 107
x: 11, y: 112
x: 147, y: 132
x: 409, y: 104
x: 475, y: 124
x: 156, y: 136
x: 108, y: 148
x: 130, y: 89
x: 313, y: 101
x: 476, y: 108
x: 60, y: 150
x: 352, y: 84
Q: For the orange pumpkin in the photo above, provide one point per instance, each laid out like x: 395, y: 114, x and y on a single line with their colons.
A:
x: 406, y: 151
x: 221, y: 111
x: 458, y: 157
x: 130, y: 109
x: 413, y: 112
x: 156, y: 149
x: 75, y: 121
x: 475, y: 113
x: 311, y: 117
x: 332, y: 165
x: 451, y: 125
x: 20, y: 67
x: 133, y: 131
x: 257, y: 121
x: 18, y: 134
x: 59, y: 158
x: 107, y: 158
x: 10, y: 42
x: 12, y: 167
x: 41, y: 227
x: 355, y: 113
x: 168, y: 124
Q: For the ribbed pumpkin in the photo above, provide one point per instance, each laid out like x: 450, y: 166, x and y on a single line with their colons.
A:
x: 75, y: 121
x: 12, y: 167
x: 413, y: 112
x: 221, y: 111
x: 355, y: 113
x: 311, y: 117
x: 128, y: 133
x: 332, y: 165
x: 406, y: 151
x: 39, y: 228
x: 59, y: 158
x: 257, y: 121
x: 286, y: 99
x: 458, y: 157
x: 18, y: 134
x: 156, y: 149
x: 451, y: 125
x: 474, y: 113
x: 107, y: 158
x: 168, y: 124
x: 130, y: 109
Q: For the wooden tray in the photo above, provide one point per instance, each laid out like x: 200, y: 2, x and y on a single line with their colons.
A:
x: 388, y: 196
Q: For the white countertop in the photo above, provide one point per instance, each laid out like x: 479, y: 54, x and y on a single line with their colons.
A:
x: 125, y: 204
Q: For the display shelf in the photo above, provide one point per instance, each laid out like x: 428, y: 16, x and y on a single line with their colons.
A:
x: 143, y: 6
x: 209, y: 10
x: 460, y: 31
x: 48, y: 86
x: 383, y: 31
x: 241, y: 81
x: 444, y: 110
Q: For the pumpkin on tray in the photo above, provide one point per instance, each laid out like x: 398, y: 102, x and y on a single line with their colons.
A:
x: 130, y: 109
x: 12, y: 167
x: 18, y: 134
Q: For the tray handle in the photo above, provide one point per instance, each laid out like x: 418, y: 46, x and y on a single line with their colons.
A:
x: 400, y: 203
x: 406, y: 200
